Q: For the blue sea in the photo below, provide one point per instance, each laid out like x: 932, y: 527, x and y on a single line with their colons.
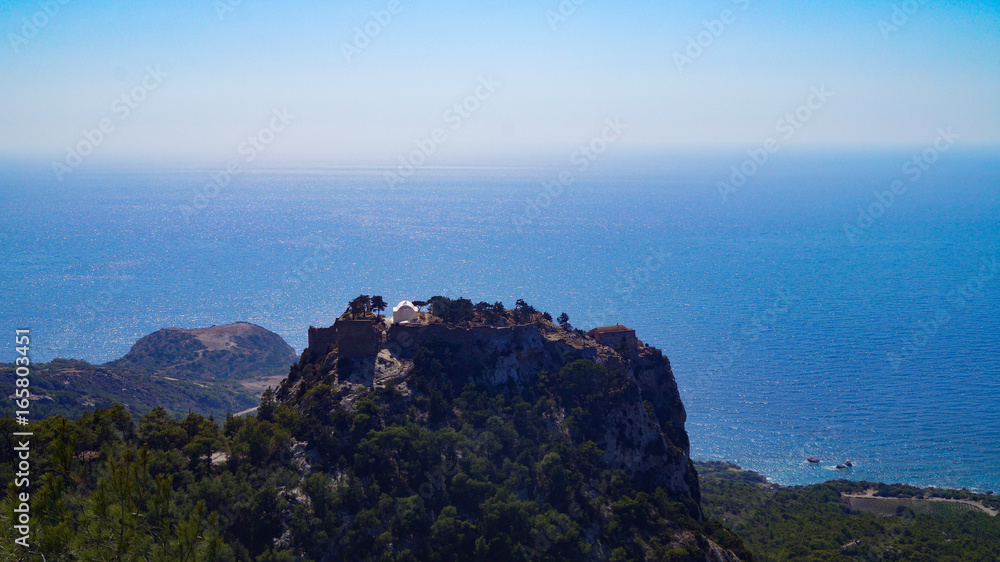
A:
x: 790, y: 335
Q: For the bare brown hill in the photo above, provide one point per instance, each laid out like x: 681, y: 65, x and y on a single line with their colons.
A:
x: 231, y: 351
x: 210, y: 371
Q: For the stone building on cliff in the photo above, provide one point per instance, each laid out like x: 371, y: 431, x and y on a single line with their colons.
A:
x: 615, y: 336
x: 351, y: 338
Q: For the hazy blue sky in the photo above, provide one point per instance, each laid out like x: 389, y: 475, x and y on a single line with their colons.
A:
x: 557, y: 83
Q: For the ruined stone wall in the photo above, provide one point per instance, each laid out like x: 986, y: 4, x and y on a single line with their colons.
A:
x: 352, y: 338
x: 320, y: 339
x: 357, y: 338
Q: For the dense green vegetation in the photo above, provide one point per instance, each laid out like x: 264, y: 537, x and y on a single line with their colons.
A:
x: 104, y: 489
x: 111, y: 488
x: 457, y: 473
x: 462, y: 310
x: 69, y: 388
x: 438, y: 468
x: 482, y: 470
x: 813, y: 523
x: 457, y: 310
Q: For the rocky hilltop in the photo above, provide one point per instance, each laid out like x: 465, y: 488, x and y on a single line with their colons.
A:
x: 468, y: 369
x: 210, y: 371
x: 239, y: 350
x: 644, y: 436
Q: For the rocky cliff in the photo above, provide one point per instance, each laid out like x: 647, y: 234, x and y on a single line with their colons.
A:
x: 480, y: 374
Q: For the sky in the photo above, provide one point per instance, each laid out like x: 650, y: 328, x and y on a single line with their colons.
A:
x: 367, y: 83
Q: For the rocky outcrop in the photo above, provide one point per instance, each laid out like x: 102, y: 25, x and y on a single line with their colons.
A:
x: 644, y: 437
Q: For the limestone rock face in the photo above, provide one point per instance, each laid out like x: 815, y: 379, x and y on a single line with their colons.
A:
x: 644, y: 437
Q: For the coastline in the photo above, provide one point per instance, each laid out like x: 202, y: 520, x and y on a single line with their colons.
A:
x: 862, y: 495
x: 789, y: 472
